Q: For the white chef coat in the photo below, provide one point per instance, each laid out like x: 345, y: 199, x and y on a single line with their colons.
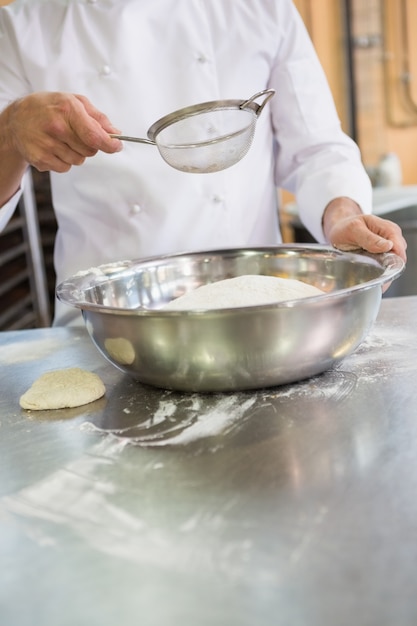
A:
x: 138, y: 60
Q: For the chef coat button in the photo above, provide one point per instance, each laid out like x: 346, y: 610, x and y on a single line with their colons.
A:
x: 217, y: 199
x: 202, y: 58
x: 135, y: 209
x: 105, y: 70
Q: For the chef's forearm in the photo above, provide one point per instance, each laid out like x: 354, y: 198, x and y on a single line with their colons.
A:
x: 13, y: 166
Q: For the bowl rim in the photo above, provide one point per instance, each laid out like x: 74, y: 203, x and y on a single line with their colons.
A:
x: 69, y: 289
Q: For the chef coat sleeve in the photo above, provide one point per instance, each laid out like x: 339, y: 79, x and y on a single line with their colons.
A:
x: 7, y: 210
x: 13, y: 85
x: 316, y: 160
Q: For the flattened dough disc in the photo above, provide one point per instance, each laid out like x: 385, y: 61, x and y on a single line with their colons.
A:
x: 63, y: 389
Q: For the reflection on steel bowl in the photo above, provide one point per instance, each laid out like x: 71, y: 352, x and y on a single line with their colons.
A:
x: 235, y: 348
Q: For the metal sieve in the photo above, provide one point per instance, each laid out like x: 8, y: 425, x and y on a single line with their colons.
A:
x: 206, y: 137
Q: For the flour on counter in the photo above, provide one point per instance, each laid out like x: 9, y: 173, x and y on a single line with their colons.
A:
x: 218, y: 420
x: 374, y: 357
x: 199, y: 420
x: 86, y: 500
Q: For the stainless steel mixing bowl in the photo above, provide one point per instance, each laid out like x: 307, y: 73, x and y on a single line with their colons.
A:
x: 236, y: 348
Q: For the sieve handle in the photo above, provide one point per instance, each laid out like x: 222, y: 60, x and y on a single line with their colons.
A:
x: 135, y: 139
x: 268, y: 93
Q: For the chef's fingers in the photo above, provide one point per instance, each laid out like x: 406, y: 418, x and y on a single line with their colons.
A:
x: 89, y: 128
x: 50, y: 152
x: 61, y: 157
x: 98, y: 115
x: 47, y: 128
x: 383, y: 235
x: 368, y: 232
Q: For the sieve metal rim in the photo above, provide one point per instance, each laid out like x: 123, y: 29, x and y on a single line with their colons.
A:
x: 202, y: 107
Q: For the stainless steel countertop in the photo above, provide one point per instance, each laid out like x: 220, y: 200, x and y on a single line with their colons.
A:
x: 293, y: 506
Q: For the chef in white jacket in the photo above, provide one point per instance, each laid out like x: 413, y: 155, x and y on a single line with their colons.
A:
x: 74, y: 71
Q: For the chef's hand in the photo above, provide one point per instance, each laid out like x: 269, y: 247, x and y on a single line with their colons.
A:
x: 54, y: 131
x: 347, y: 228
